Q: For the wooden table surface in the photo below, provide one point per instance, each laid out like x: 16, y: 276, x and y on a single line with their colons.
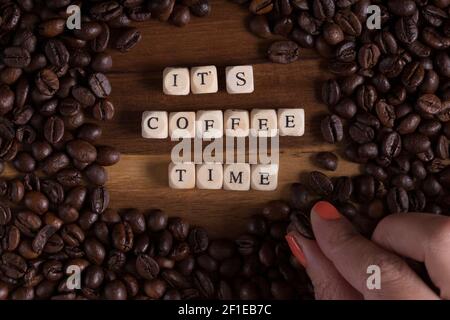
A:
x: 222, y: 39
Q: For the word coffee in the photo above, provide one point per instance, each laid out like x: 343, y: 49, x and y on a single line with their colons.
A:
x: 203, y: 79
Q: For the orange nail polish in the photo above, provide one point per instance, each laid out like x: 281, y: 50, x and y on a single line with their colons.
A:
x: 296, y: 249
x: 326, y: 210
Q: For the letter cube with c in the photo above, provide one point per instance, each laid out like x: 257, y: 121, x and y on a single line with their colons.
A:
x: 155, y: 125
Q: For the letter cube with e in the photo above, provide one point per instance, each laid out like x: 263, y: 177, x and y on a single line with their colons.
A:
x: 264, y: 122
x: 204, y: 80
x: 182, y: 175
x: 264, y: 177
x: 210, y: 176
x: 291, y: 122
x: 236, y: 123
x: 239, y: 79
x: 236, y: 176
x: 209, y: 124
x: 182, y: 125
x: 176, y: 81
x: 155, y: 125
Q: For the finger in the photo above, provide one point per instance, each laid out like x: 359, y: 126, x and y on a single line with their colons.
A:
x: 422, y: 237
x: 328, y: 283
x: 355, y: 257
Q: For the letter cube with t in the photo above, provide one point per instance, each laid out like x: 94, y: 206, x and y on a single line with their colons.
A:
x: 176, y: 81
x: 182, y: 125
x: 209, y: 124
x: 264, y: 177
x: 155, y: 125
x: 236, y: 176
x: 291, y: 122
x: 204, y: 80
x: 264, y: 122
x: 239, y: 79
x: 210, y: 176
x: 236, y: 123
x: 182, y: 175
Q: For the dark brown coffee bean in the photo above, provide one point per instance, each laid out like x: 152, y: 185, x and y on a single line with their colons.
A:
x: 103, y: 110
x: 6, y: 99
x: 221, y: 249
x: 331, y: 93
x: 299, y: 196
x: 198, y: 240
x: 402, y: 7
x: 332, y: 129
x: 123, y: 237
x: 416, y: 143
x: 385, y: 113
x: 128, y: 39
x: 429, y: 104
x: 283, y: 52
x: 320, y: 183
x: 327, y: 160
x: 406, y: 30
x: 99, y: 199
x: 100, y: 85
x: 261, y: 7
x: 397, y: 200
x: 54, y: 129
x: 348, y: 22
x: 16, y: 57
x: 259, y: 25
x: 52, y: 28
x: 56, y: 53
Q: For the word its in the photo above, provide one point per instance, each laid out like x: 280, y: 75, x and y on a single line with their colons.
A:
x: 74, y: 20
x: 213, y: 176
x: 211, y: 124
x: 200, y: 80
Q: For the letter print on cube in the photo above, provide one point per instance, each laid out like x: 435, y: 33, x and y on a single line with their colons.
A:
x: 182, y: 175
x: 239, y: 79
x: 155, y: 125
x: 210, y: 176
x: 204, y: 80
x: 291, y: 122
x: 209, y: 124
x: 264, y: 122
x: 176, y: 81
x: 182, y: 125
x: 264, y: 177
x: 236, y: 123
x: 236, y: 176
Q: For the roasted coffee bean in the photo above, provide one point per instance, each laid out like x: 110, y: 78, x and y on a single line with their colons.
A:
x: 385, y: 113
x: 327, y: 160
x: 99, y: 197
x: 221, y: 249
x: 259, y: 25
x: 103, y: 110
x: 147, y: 267
x: 348, y: 22
x: 416, y: 143
x: 397, y: 200
x: 36, y: 202
x: 331, y: 92
x: 16, y: 57
x: 179, y: 228
x: 127, y: 39
x: 300, y: 196
x: 157, y: 220
x: 122, y: 236
x: 56, y: 53
x: 261, y: 7
x: 332, y: 129
x: 283, y: 52
x: 320, y: 183
x: 95, y: 251
x: 198, y: 240
x: 409, y: 124
x: 301, y: 224
x: 429, y: 104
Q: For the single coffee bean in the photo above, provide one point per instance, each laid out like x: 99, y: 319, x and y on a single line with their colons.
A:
x: 320, y: 183
x: 332, y: 129
x: 327, y: 160
x: 283, y: 52
x: 397, y: 200
x: 128, y: 39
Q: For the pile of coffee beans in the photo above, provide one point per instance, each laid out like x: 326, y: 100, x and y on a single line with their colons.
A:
x: 389, y: 98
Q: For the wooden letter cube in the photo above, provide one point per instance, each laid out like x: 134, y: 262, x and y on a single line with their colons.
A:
x: 176, y: 81
x: 182, y: 125
x: 155, y: 125
x: 236, y: 176
x: 182, y: 175
x: 291, y: 122
x: 209, y: 124
x: 264, y: 122
x: 210, y: 176
x: 239, y: 79
x: 264, y: 177
x: 204, y: 80
x: 236, y: 123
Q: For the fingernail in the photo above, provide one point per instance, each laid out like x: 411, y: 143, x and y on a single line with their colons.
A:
x: 296, y: 249
x: 326, y: 211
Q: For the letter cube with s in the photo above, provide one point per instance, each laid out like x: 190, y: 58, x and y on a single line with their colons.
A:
x: 239, y: 79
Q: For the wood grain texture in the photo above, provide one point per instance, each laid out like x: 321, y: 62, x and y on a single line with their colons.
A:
x: 222, y: 39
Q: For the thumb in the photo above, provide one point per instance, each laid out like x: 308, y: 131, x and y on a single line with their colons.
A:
x: 328, y: 283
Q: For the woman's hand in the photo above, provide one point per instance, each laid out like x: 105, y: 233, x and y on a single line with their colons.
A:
x: 338, y: 260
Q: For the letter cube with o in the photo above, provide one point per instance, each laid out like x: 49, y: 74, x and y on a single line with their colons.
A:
x: 155, y: 125
x: 204, y: 80
x: 236, y: 176
x: 182, y: 125
x: 176, y: 81
x: 182, y: 175
x: 264, y: 177
x: 291, y: 122
x: 239, y: 79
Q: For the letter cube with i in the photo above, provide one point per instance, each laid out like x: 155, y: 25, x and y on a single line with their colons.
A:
x: 236, y: 177
x: 182, y: 125
x: 210, y: 176
x: 264, y: 177
x: 176, y: 81
x: 291, y: 122
x: 204, y: 80
x: 239, y: 79
x: 155, y: 125
x: 209, y: 124
x: 182, y: 175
